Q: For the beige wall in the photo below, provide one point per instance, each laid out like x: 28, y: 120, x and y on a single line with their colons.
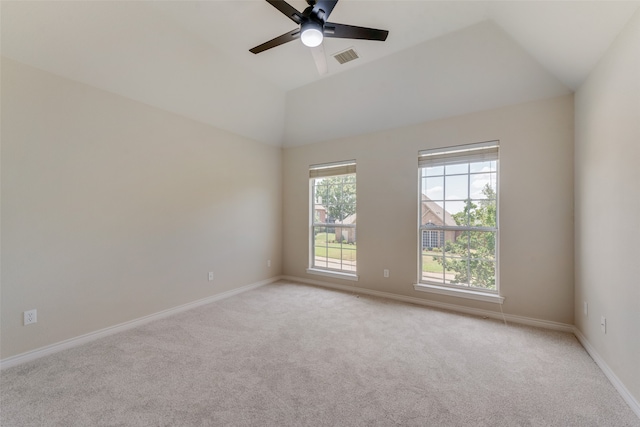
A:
x: 607, y: 205
x: 536, y: 204
x: 112, y: 210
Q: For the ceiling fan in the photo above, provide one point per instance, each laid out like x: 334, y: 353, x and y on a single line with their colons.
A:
x: 313, y: 27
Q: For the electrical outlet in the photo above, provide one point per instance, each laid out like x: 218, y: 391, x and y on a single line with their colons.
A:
x: 269, y: 263
x: 586, y: 308
x: 386, y: 272
x: 211, y: 276
x: 30, y: 316
x: 603, y: 324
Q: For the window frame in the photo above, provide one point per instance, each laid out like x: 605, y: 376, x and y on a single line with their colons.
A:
x: 328, y: 170
x: 460, y: 154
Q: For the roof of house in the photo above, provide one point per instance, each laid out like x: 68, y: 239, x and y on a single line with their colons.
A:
x: 351, y: 219
x: 437, y: 210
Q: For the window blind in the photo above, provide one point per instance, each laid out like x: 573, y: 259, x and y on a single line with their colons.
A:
x: 479, y: 152
x: 332, y: 169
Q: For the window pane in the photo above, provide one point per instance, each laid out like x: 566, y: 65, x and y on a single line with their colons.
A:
x: 319, y: 247
x: 457, y: 169
x: 330, y: 194
x: 484, y: 214
x: 456, y: 187
x: 456, y: 243
x: 483, y: 186
x: 319, y: 214
x: 349, y: 179
x: 432, y: 266
x: 434, y: 188
x: 432, y: 212
x: 318, y: 191
x: 483, y: 274
x: 348, y: 257
x: 436, y: 170
x: 482, y: 245
x: 483, y: 166
x: 455, y: 214
x: 459, y: 268
x: 345, y: 235
x: 348, y: 214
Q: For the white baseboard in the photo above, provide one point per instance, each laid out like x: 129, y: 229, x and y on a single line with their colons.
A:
x: 82, y: 339
x: 626, y: 395
x: 547, y: 324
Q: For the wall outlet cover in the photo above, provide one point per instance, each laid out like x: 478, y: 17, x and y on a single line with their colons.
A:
x: 30, y: 316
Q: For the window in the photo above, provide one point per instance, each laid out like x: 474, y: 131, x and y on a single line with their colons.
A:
x: 432, y: 238
x: 333, y: 219
x: 458, y: 226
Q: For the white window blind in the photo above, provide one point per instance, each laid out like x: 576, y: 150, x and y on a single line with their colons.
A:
x: 479, y: 152
x: 332, y: 169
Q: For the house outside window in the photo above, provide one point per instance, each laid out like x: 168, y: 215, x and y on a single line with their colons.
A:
x: 432, y: 239
x: 458, y: 229
x: 333, y: 244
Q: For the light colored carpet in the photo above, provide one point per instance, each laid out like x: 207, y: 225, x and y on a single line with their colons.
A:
x: 296, y: 355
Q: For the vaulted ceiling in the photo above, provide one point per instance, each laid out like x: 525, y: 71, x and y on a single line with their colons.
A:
x: 441, y: 59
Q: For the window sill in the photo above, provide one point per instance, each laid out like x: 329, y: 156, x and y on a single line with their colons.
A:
x: 460, y: 293
x: 334, y: 274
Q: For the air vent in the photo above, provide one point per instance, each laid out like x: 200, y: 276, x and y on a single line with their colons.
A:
x: 346, y: 56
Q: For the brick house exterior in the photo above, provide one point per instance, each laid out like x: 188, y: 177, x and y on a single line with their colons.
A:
x: 434, y: 214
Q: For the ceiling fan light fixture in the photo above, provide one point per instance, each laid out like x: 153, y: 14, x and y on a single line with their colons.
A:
x: 313, y: 26
x: 311, y: 34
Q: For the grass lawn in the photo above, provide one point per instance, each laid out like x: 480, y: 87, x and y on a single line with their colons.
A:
x: 430, y: 265
x: 346, y: 251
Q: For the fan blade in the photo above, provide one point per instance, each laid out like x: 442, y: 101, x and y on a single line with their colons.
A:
x: 325, y: 5
x: 285, y: 38
x: 320, y: 59
x: 287, y: 10
x: 342, y: 31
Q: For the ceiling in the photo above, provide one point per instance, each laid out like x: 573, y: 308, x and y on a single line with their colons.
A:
x: 441, y: 59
